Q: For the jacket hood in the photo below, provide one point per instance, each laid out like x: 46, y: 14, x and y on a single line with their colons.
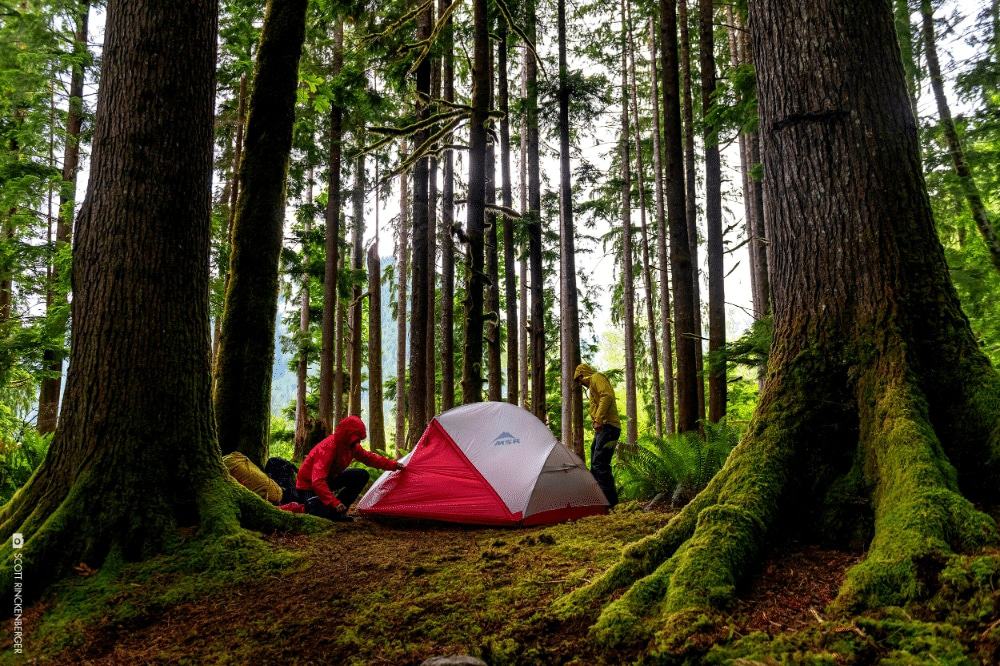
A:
x: 350, y: 429
x: 583, y: 372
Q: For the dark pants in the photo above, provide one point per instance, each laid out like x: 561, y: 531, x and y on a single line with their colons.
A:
x: 346, y: 486
x: 283, y: 473
x: 601, y: 452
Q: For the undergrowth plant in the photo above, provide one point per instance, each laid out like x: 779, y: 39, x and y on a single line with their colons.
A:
x: 676, y: 467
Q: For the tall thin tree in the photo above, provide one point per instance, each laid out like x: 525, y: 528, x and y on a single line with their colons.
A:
x: 628, y: 277
x: 713, y: 216
x: 447, y: 222
x: 534, y: 223
x: 357, y: 266
x: 507, y: 199
x: 332, y: 245
x: 569, y: 316
x: 402, y: 273
x: 472, y: 359
x: 986, y: 226
x: 681, y: 271
x: 376, y: 419
x: 48, y: 397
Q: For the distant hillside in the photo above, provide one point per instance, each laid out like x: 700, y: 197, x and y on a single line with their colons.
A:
x: 283, y: 379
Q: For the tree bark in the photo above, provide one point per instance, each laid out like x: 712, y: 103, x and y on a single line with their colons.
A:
x: 878, y: 405
x: 242, y: 392
x: 647, y: 277
x: 679, y: 216
x: 691, y: 211
x: 661, y: 244
x: 419, y: 280
x: 376, y: 420
x: 327, y: 396
x: 119, y: 477
x: 447, y: 222
x: 492, y: 323
x: 357, y: 264
x: 713, y: 219
x: 340, y: 343
x: 522, y: 273
x: 402, y: 269
x: 569, y: 317
x: 507, y: 199
x: 534, y: 226
x: 302, y: 369
x: 48, y: 397
x: 472, y: 360
x: 628, y: 279
x: 430, y: 352
x: 969, y: 188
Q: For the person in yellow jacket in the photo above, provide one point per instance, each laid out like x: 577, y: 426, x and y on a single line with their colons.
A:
x: 607, y: 427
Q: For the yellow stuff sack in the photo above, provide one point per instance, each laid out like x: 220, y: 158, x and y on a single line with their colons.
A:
x: 251, y: 476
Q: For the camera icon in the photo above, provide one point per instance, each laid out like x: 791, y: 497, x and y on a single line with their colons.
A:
x: 17, y: 540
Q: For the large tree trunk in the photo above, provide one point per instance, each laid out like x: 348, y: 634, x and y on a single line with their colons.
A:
x: 986, y: 226
x: 628, y: 278
x: 135, y: 456
x: 242, y: 392
x: 678, y: 214
x: 713, y: 219
x: 402, y: 268
x: 507, y: 199
x: 48, y: 396
x: 472, y: 359
x: 447, y: 221
x: 327, y: 396
x: 569, y: 317
x: 878, y: 404
x: 357, y: 264
x: 661, y: 243
x: 647, y: 271
x: 419, y: 280
x: 534, y: 225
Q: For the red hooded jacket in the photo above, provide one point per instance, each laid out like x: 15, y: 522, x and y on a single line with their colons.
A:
x: 332, y: 456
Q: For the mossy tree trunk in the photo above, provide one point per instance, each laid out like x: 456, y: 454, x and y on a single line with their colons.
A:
x: 376, y: 419
x: 402, y: 273
x: 492, y: 261
x: 242, y: 391
x: 876, y: 392
x: 135, y: 455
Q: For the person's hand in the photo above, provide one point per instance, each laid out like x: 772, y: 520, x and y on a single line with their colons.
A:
x: 400, y: 466
x: 341, y: 508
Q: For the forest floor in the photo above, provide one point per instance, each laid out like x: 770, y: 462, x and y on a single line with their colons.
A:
x: 398, y: 593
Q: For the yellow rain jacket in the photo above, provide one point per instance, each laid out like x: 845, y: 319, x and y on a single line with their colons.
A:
x: 603, y: 410
x: 251, y: 476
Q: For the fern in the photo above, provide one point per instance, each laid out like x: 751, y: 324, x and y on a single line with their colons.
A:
x: 676, y: 466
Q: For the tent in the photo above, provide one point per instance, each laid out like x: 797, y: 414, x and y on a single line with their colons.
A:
x: 487, y: 463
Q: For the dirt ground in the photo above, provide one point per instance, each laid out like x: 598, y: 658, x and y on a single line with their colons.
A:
x: 398, y: 593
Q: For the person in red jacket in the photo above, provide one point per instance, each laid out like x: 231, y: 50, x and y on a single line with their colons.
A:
x: 325, y: 471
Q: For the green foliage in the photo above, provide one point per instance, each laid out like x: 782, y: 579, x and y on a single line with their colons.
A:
x: 675, y: 467
x: 18, y: 459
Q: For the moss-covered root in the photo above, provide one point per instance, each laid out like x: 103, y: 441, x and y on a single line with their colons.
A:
x: 252, y: 512
x: 638, y: 559
x: 920, y: 517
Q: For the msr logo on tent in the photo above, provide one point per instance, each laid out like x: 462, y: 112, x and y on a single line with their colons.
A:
x: 505, y: 439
